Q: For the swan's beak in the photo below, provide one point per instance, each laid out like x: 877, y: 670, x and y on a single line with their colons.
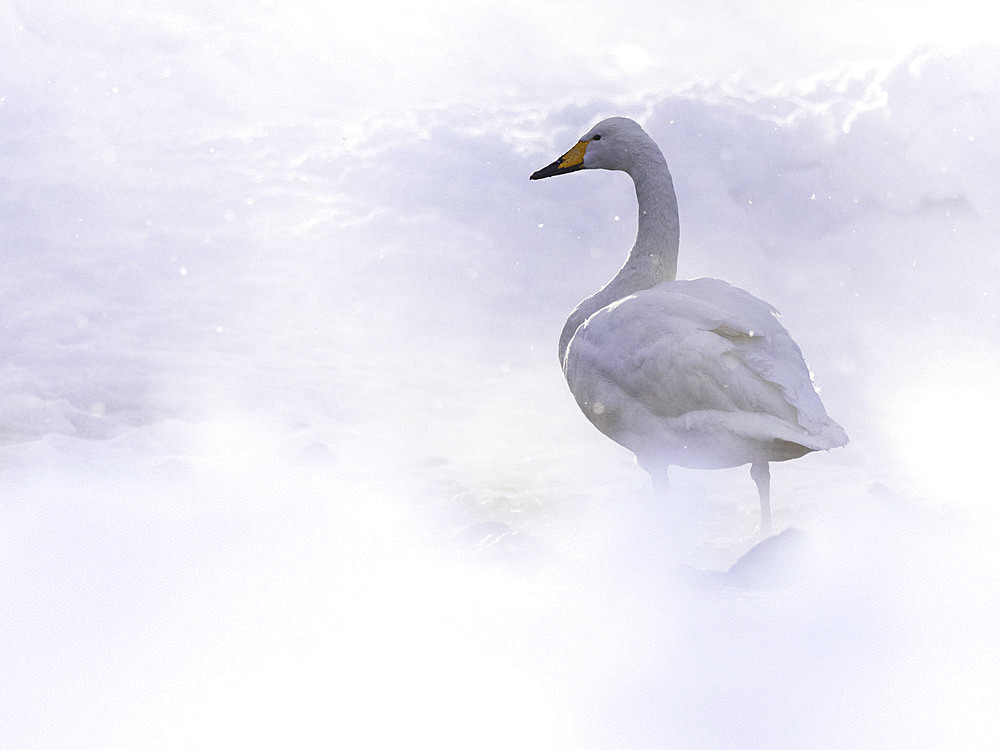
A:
x: 571, y: 161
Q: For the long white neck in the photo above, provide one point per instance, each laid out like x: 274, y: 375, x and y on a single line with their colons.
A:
x: 653, y: 258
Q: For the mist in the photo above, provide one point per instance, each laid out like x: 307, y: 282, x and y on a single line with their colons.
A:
x: 288, y: 458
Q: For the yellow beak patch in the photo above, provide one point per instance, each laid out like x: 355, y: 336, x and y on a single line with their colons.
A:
x: 574, y: 156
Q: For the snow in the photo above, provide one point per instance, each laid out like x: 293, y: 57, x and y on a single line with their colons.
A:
x: 287, y: 456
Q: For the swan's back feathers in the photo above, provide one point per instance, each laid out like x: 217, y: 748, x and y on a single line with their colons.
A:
x: 700, y: 372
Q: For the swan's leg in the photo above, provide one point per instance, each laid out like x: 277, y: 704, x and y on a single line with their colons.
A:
x: 665, y: 516
x: 760, y: 472
x: 661, y: 483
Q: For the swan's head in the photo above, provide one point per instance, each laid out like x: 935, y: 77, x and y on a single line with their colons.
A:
x: 615, y: 143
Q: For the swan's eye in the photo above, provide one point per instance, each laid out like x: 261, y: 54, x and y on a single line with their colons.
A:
x: 596, y: 137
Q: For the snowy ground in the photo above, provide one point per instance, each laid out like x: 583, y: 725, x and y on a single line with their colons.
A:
x: 287, y: 456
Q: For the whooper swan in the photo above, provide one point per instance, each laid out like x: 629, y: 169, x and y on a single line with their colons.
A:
x: 693, y: 373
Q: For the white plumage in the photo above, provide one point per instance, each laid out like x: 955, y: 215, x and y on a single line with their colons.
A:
x: 690, y: 373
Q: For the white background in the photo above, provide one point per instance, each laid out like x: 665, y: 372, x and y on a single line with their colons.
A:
x: 287, y: 457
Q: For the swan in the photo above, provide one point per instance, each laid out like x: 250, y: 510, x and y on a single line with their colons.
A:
x: 694, y: 373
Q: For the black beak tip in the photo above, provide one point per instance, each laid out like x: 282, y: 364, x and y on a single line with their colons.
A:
x: 541, y: 174
x: 553, y: 169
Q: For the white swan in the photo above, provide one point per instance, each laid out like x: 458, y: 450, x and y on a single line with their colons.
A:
x: 688, y: 373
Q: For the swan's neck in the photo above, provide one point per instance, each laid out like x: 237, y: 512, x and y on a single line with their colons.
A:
x: 653, y: 258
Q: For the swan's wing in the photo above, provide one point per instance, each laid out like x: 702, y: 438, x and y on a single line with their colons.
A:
x: 695, y: 347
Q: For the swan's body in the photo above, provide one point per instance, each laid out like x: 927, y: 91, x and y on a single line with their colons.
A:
x: 688, y: 373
